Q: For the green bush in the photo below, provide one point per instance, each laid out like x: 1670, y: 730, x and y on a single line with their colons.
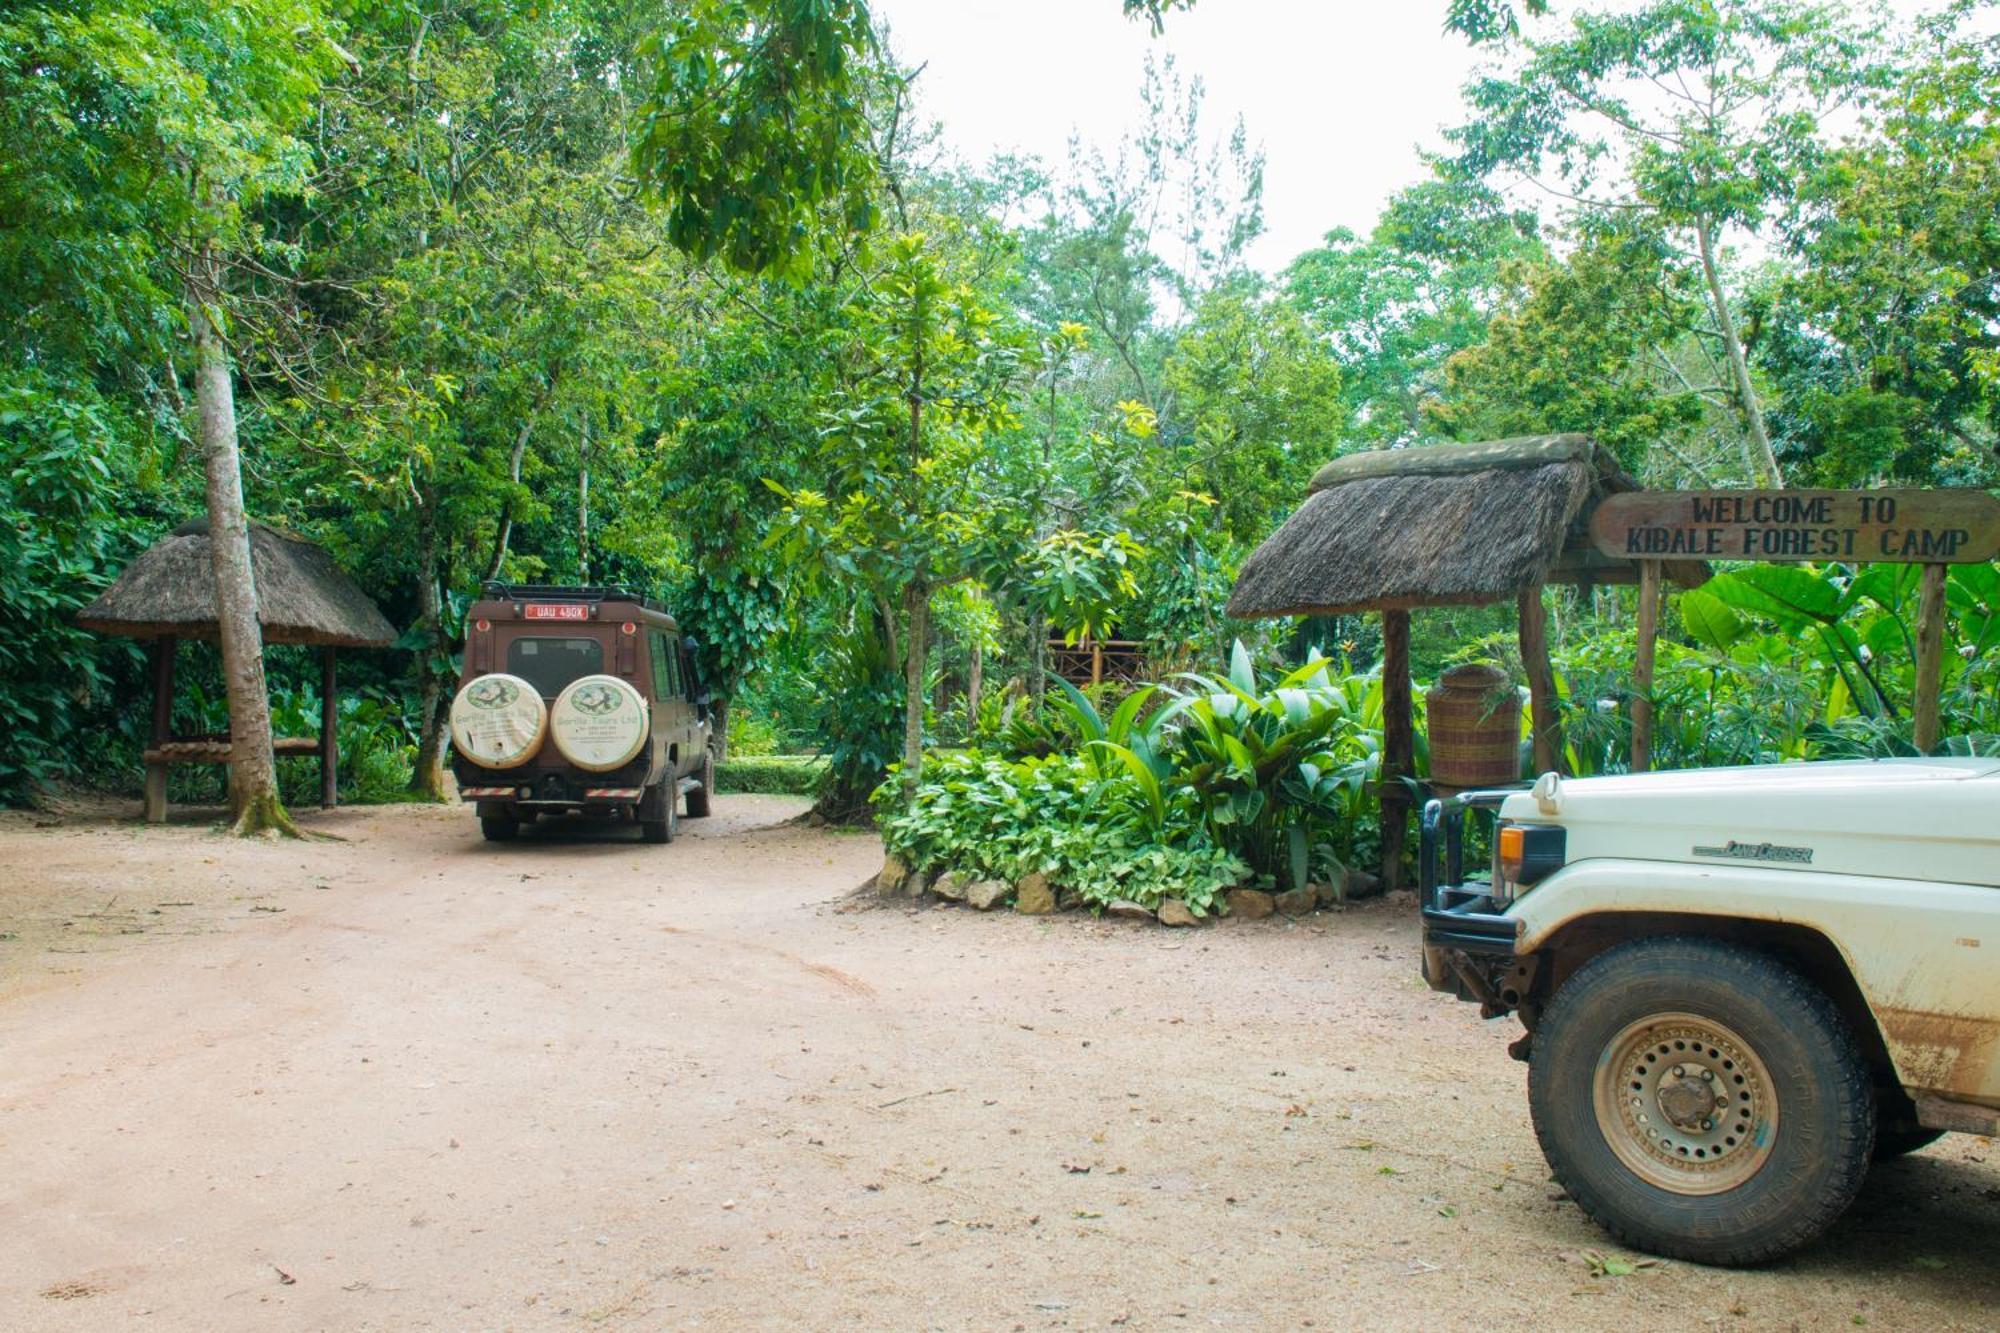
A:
x: 859, y: 722
x: 772, y: 774
x: 752, y: 735
x: 1087, y: 828
x: 65, y: 531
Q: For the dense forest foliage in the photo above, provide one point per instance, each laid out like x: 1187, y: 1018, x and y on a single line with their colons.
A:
x: 689, y: 298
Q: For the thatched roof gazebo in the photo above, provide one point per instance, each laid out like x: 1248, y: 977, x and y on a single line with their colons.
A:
x: 303, y: 597
x: 1453, y: 524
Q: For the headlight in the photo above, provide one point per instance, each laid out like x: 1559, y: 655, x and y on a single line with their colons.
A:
x: 1525, y: 855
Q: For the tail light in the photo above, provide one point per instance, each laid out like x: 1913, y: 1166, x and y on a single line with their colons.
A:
x: 1525, y: 855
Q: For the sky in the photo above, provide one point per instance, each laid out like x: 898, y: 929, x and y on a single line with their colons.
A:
x: 1340, y: 93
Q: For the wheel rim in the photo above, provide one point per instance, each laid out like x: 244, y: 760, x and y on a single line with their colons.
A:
x: 1686, y: 1104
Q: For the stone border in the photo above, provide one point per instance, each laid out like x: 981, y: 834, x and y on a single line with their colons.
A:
x: 1034, y: 895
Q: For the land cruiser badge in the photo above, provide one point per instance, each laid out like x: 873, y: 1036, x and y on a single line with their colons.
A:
x: 1759, y: 851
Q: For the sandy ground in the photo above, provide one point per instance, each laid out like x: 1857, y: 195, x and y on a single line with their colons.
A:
x: 409, y: 1080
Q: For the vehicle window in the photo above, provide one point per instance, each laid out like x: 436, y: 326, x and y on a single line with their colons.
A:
x: 665, y: 685
x: 550, y: 664
x: 689, y: 672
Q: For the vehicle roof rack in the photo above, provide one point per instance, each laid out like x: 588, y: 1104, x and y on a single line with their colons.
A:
x: 554, y: 592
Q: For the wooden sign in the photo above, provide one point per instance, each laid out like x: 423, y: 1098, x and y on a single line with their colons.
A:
x: 1860, y: 527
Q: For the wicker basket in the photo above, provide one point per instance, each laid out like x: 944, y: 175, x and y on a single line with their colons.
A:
x: 1474, y: 715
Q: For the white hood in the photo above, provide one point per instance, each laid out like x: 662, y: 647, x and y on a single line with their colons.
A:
x: 1931, y: 819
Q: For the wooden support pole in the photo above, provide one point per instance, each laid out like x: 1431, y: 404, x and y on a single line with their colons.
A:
x: 1544, y: 706
x: 1930, y: 656
x: 1399, y: 747
x: 162, y: 728
x: 329, y: 746
x: 1642, y: 666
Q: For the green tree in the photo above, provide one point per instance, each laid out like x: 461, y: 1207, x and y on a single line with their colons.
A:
x: 1586, y: 343
x: 1260, y: 398
x: 484, y: 300
x: 717, y: 449
x: 1885, y: 332
x: 1393, y: 308
x: 140, y: 131
x: 1698, y: 115
x: 756, y: 127
x: 902, y: 510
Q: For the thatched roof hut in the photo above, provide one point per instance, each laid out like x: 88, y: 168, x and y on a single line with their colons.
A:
x: 1448, y: 524
x: 302, y: 595
x: 1456, y: 524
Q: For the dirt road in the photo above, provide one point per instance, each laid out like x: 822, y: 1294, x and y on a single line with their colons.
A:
x: 409, y: 1080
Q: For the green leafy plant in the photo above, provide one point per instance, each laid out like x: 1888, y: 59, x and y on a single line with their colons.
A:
x: 1282, y: 774
x: 1062, y: 816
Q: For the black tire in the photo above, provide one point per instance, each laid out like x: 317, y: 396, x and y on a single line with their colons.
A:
x: 499, y: 828
x: 1805, y: 1075
x: 656, y: 812
x: 697, y: 800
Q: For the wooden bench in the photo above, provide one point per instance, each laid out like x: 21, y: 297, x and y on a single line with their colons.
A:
x: 207, y: 750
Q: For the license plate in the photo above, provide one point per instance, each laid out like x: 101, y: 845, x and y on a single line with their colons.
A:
x: 556, y: 611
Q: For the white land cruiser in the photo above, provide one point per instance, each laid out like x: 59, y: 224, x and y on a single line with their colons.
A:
x: 1740, y: 985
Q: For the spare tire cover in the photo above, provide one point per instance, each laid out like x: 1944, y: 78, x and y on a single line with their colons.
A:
x: 498, y: 721
x: 600, y: 723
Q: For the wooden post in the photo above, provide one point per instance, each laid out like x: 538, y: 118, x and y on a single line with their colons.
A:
x: 975, y: 680
x: 1930, y: 656
x: 1096, y: 663
x: 1642, y: 666
x: 329, y: 746
x: 1399, y: 747
x: 162, y: 728
x: 1543, y: 704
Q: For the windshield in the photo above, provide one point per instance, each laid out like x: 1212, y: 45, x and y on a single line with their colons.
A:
x: 550, y: 664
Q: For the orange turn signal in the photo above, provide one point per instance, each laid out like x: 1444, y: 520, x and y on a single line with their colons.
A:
x: 1513, y: 846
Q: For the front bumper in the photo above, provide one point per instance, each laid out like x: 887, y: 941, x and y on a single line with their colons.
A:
x: 1468, y: 938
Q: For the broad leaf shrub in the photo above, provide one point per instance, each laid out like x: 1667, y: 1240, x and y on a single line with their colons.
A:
x: 1775, y: 663
x: 1085, y: 827
x: 1180, y: 792
x: 1283, y: 773
x: 857, y: 716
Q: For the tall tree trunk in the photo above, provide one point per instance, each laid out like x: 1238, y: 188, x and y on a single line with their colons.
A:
x: 917, y: 610
x: 1762, y: 458
x: 583, y: 504
x: 975, y: 680
x: 1038, y: 656
x: 718, y: 719
x: 427, y: 779
x: 253, y: 769
x: 506, y: 531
